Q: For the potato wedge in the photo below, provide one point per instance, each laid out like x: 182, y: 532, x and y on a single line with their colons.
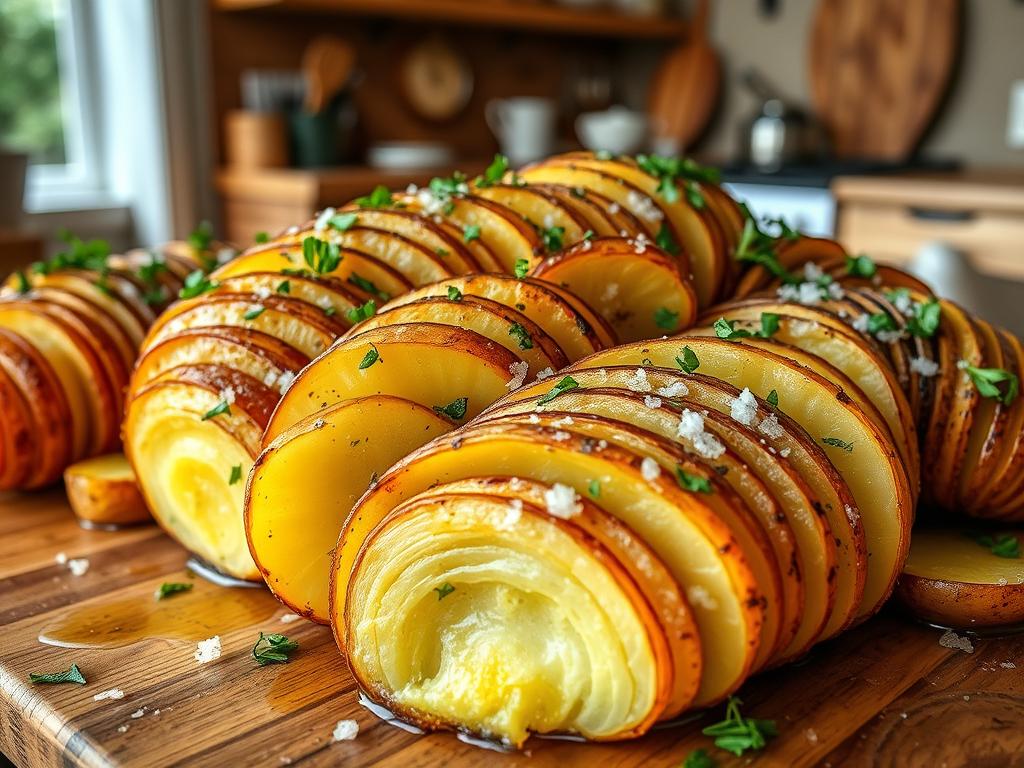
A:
x: 875, y: 476
x: 534, y: 298
x: 104, y: 493
x: 541, y: 584
x: 952, y: 580
x: 429, y: 364
x: 637, y: 288
x: 694, y: 544
x: 364, y: 435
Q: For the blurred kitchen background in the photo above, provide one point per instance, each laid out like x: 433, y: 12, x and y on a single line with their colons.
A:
x: 895, y: 125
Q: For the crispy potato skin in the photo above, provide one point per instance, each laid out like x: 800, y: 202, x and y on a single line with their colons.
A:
x: 959, y: 605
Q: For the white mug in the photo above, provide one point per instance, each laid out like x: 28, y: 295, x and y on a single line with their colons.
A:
x: 524, y: 127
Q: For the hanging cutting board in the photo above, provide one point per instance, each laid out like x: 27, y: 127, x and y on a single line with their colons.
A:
x: 684, y: 90
x: 879, y: 70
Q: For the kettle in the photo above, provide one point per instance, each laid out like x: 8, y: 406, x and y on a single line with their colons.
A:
x: 780, y: 133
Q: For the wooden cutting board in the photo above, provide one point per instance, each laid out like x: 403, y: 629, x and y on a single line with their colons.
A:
x: 879, y: 70
x: 885, y: 693
x: 684, y: 90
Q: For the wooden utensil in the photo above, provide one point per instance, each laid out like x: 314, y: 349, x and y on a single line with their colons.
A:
x: 684, y: 90
x: 879, y: 70
x: 327, y: 64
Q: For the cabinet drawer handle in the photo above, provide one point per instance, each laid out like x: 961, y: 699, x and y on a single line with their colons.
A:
x: 934, y: 214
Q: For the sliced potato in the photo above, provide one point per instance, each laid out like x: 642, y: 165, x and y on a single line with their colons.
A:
x: 952, y: 580
x: 637, y: 288
x: 542, y: 630
x: 429, y: 364
x: 536, y: 299
x: 605, y: 217
x: 692, y: 541
x: 103, y: 492
x: 537, y: 207
x: 874, y: 474
x: 364, y: 435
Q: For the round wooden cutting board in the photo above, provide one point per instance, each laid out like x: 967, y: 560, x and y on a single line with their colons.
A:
x: 879, y: 70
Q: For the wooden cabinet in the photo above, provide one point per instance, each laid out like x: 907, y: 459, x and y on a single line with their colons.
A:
x: 980, y: 213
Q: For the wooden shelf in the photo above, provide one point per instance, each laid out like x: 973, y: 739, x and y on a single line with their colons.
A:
x: 508, y: 14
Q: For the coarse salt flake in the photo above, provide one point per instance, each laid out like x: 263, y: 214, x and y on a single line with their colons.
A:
x: 346, y: 730
x: 924, y: 366
x: 228, y: 395
x: 770, y: 426
x: 324, y: 219
x: 78, y: 567
x: 699, y: 596
x: 743, y: 408
x: 650, y: 470
x: 518, y: 370
x: 289, y: 618
x: 675, y: 389
x: 546, y: 373
x: 691, y: 426
x: 951, y: 639
x: 61, y: 558
x: 638, y: 381
x: 208, y: 650
x: 113, y: 693
x: 562, y: 501
x: 652, y: 402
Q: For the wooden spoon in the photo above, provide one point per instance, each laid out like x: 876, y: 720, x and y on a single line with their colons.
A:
x: 327, y: 63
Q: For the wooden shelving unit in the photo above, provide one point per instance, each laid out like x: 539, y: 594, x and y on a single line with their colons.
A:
x: 508, y: 14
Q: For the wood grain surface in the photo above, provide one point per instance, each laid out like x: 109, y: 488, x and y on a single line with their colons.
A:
x: 884, y: 694
x: 879, y: 70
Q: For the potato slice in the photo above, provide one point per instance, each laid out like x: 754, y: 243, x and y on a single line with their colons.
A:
x: 605, y: 217
x: 295, y: 322
x: 534, y: 298
x: 112, y: 336
x: 365, y: 436
x: 636, y: 287
x: 792, y: 253
x: 415, y: 262
x: 694, y: 544
x: 355, y: 269
x: 1007, y: 472
x: 540, y: 631
x: 426, y: 363
x: 537, y: 207
x: 654, y: 580
x: 192, y: 469
x: 737, y: 503
x: 696, y: 232
x: 797, y: 472
x: 951, y: 580
x: 103, y: 492
x: 871, y: 468
x: 505, y: 326
x: 261, y: 356
x: 507, y: 236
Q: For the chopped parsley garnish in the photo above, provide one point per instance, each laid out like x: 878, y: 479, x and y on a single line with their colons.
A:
x: 494, y: 172
x: 755, y: 247
x: 588, y: 235
x: 330, y: 311
x: 236, y: 474
x: 986, y: 380
x: 552, y: 237
x: 666, y: 240
x: 454, y: 294
x: 925, y: 321
x: 671, y: 170
x: 1002, y: 545
x: 343, y: 221
x: 455, y: 410
x: 880, y: 321
x: 444, y: 590
x: 155, y: 293
x: 442, y: 252
x: 371, y: 357
x: 737, y: 734
x: 201, y: 238
x: 368, y: 286
x: 23, y: 284
x: 594, y: 489
x: 379, y: 198
x: 253, y: 313
x: 358, y: 314
x: 445, y: 188
x: 219, y: 409
x: 769, y: 325
x: 285, y: 286
x: 860, y: 265
x: 89, y: 255
x: 688, y: 363
x: 564, y: 385
x: 666, y: 319
x: 521, y: 335
x: 273, y: 649
x: 699, y: 758
x: 261, y: 237
x: 835, y: 442
x: 73, y: 675
x: 169, y: 588
x: 321, y: 256
x: 471, y: 233
x: 773, y: 399
x: 522, y: 268
x: 692, y: 483
x: 726, y: 329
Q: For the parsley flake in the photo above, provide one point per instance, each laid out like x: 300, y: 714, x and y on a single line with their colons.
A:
x: 986, y: 379
x: 219, y: 409
x: 379, y: 198
x: 773, y: 399
x: 273, y: 649
x: 236, y: 474
x: 688, y: 363
x: 364, y: 312
x: 737, y: 734
x: 692, y: 483
x: 342, y: 222
x: 369, y: 286
x: 860, y: 265
x: 522, y: 268
x: 444, y: 590
x: 455, y: 410
x: 666, y: 240
x: 73, y: 675
x: 552, y: 237
x: 169, y: 588
x: 494, y: 172
x: 371, y: 357
x: 564, y: 385
x: 471, y: 233
x: 521, y: 335
x: 666, y: 319
x: 196, y: 284
x: 454, y: 294
x: 261, y: 237
x: 835, y: 442
x: 594, y: 489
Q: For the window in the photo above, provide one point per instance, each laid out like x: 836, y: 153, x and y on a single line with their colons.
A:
x: 47, y: 108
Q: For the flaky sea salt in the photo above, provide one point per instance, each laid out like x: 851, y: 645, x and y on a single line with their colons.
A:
x: 208, y: 650
x: 562, y: 501
x: 675, y: 389
x: 951, y: 639
x: 113, y: 693
x: 345, y: 730
x: 638, y: 381
x: 652, y: 402
x: 518, y: 370
x: 691, y: 426
x: 924, y: 366
x: 650, y: 470
x: 743, y: 408
x: 770, y: 426
x: 78, y: 567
